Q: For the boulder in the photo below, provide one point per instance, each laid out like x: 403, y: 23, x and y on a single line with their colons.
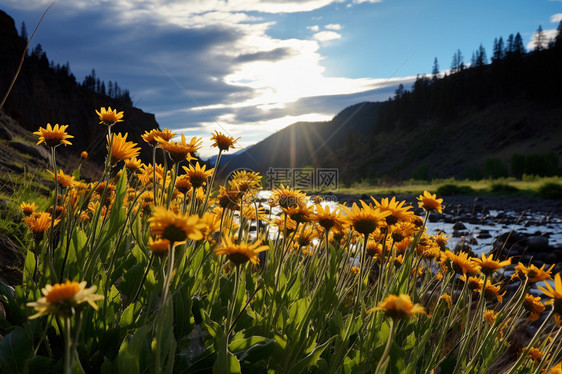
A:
x: 32, y: 150
x: 537, y: 244
x: 11, y: 262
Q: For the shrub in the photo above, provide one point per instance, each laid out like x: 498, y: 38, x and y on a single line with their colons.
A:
x: 454, y: 189
x: 503, y: 189
x: 550, y: 190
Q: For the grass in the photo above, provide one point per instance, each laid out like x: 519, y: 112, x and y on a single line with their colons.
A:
x: 527, y: 186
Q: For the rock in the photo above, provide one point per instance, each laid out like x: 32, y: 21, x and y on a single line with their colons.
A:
x: 459, y: 226
x: 463, y: 246
x: 11, y: 262
x: 537, y: 244
x: 458, y: 234
x: 6, y: 134
x: 484, y: 234
x: 32, y: 150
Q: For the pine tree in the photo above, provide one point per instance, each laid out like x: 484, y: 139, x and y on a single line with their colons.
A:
x: 509, y: 48
x: 499, y: 52
x: 458, y: 63
x: 435, y: 70
x: 23, y: 32
x: 454, y: 64
x: 558, y: 38
x: 481, y: 58
x: 518, y: 47
x: 540, y: 39
x: 399, y: 92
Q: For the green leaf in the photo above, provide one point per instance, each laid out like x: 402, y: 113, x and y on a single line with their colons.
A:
x: 135, y: 352
x: 15, y: 351
x: 252, y: 349
x: 227, y: 364
x: 312, y: 358
x: 29, y: 265
x: 182, y: 313
x: 129, y: 314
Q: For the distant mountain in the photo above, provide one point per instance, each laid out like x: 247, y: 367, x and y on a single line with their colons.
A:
x: 48, y: 93
x: 474, y: 123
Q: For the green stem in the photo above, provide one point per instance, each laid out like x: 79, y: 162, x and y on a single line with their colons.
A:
x: 67, y: 347
x: 383, y: 362
x: 143, y: 278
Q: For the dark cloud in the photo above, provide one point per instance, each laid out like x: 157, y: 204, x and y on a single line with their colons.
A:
x: 273, y: 55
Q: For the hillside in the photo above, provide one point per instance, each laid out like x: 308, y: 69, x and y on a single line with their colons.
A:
x: 46, y: 92
x: 460, y: 125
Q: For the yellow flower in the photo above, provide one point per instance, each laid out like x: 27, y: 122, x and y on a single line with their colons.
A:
x: 491, y: 291
x: 398, y: 307
x: 183, y: 184
x: 27, y: 209
x: 555, y: 293
x: 462, y: 264
x: 175, y: 227
x: 355, y: 270
x: 110, y: 116
x: 198, y: 175
x: 535, y: 354
x: 39, y: 223
x: 134, y: 164
x: 556, y: 369
x: 430, y: 203
x: 63, y: 180
x: 534, y: 306
x: 84, y: 155
x: 212, y: 224
x: 150, y: 137
x: 240, y: 253
x: 53, y: 136
x: 181, y: 150
x: 159, y: 247
x: 397, y: 210
x: 474, y: 283
x: 317, y: 199
x: 489, y: 266
x: 243, y: 181
x: 286, y: 197
x: 365, y: 219
x: 121, y: 149
x: 299, y: 213
x: 533, y: 273
x: 223, y: 142
x: 328, y: 219
x: 490, y: 316
x: 447, y: 299
x: 61, y: 299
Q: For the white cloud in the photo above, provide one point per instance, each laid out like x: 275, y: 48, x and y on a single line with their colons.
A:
x: 555, y: 18
x: 324, y: 36
x: 313, y: 28
x: 333, y: 26
x: 548, y: 36
x: 372, y: 1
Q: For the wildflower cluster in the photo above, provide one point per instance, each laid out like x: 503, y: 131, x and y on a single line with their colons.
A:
x: 153, y: 266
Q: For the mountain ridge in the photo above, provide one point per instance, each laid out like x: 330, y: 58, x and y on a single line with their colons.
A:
x: 444, y: 127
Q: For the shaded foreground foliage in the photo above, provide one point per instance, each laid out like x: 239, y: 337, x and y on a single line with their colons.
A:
x: 150, y: 270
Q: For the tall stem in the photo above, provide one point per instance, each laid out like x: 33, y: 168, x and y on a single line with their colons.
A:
x: 67, y: 347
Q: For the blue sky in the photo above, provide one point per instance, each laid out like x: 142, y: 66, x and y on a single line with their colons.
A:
x: 250, y: 68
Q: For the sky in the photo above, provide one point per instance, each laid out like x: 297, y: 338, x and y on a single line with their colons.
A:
x: 249, y: 68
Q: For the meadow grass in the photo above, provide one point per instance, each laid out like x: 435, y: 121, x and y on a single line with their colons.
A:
x: 528, y: 186
x: 148, y: 269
